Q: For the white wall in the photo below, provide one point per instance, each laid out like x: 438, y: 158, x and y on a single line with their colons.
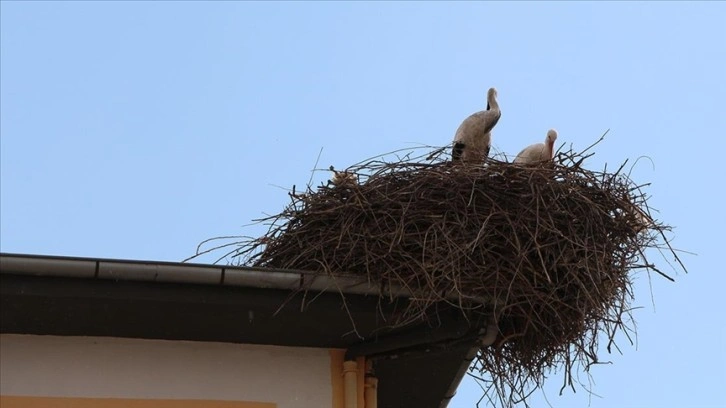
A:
x: 54, y: 366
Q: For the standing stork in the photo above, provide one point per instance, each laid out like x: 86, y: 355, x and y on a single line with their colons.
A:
x: 538, y: 152
x: 473, y: 138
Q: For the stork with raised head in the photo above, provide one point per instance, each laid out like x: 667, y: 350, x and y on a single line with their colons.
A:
x: 473, y: 138
x: 538, y: 152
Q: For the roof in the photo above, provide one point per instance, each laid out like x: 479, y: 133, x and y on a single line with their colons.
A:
x: 417, y: 365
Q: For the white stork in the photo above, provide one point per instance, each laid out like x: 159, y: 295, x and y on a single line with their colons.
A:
x: 473, y: 138
x: 538, y: 152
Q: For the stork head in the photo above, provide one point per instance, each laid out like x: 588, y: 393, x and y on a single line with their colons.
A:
x: 551, y: 137
x: 492, y: 98
x: 550, y: 141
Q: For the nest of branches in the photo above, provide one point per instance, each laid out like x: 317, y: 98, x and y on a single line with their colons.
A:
x: 545, y: 250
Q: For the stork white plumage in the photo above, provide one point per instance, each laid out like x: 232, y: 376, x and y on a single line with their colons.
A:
x: 473, y: 138
x: 538, y: 152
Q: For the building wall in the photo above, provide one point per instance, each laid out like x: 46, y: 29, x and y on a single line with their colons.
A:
x: 186, y: 372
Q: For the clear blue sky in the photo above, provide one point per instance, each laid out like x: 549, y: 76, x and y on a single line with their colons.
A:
x: 136, y: 129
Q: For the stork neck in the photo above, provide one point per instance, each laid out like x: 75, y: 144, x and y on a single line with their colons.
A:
x: 492, y: 104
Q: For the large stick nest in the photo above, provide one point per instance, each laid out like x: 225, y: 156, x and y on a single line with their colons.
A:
x: 545, y: 250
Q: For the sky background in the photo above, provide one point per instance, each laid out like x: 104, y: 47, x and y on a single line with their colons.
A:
x: 136, y: 130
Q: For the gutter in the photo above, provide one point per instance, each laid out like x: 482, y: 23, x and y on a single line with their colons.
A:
x: 204, y: 274
x: 463, y: 369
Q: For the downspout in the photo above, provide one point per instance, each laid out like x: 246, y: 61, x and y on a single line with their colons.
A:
x: 371, y: 393
x: 371, y: 387
x: 350, y: 383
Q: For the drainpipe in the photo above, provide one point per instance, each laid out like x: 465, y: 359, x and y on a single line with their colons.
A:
x: 350, y: 383
x: 371, y: 387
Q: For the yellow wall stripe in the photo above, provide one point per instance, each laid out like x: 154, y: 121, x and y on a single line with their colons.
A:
x: 7, y: 401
